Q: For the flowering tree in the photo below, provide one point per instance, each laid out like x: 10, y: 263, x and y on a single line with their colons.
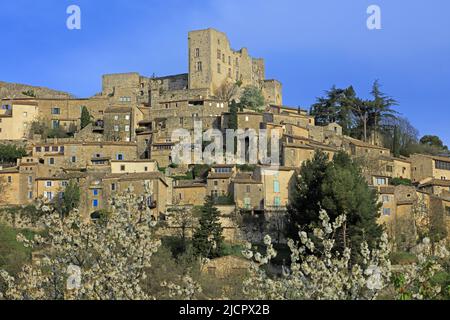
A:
x: 319, y: 271
x: 102, y: 260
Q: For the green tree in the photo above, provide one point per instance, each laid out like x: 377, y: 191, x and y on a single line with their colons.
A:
x: 69, y: 200
x: 380, y: 108
x: 85, y: 117
x: 252, y: 98
x: 208, y: 240
x: 9, y: 153
x: 234, y: 108
x: 347, y: 192
x: 337, y: 187
x: 336, y: 106
x: 308, y: 196
x: 433, y: 141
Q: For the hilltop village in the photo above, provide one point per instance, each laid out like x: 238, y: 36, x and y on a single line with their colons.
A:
x: 127, y: 141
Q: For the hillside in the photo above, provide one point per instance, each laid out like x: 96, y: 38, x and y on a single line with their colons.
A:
x: 17, y: 90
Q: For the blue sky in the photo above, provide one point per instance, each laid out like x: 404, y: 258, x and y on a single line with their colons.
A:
x: 307, y: 45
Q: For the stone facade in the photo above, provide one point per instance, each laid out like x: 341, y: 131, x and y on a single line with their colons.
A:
x: 16, y: 119
x: 212, y: 62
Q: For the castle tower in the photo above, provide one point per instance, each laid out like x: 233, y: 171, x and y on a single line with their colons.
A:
x: 212, y: 62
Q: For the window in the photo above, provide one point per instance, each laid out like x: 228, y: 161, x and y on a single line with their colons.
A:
x: 95, y: 203
x: 55, y: 149
x: 25, y: 114
x: 73, y: 159
x: 277, y: 201
x: 247, y: 189
x: 116, y: 128
x: 229, y: 73
x: 48, y: 183
x: 95, y: 192
x: 122, y: 168
x: 127, y: 117
x: 55, y: 124
x: 9, y: 179
x: 145, y: 169
x: 64, y: 184
x: 389, y: 168
x: 47, y: 149
x: 48, y: 195
x: 56, y: 110
x: 119, y: 157
x: 216, y: 183
x: 219, y: 54
x: 51, y: 161
x: 127, y: 128
x: 30, y: 179
x: 386, y: 198
x: 237, y: 75
x: 113, y: 187
x: 197, y: 52
x: 246, y: 118
x: 229, y: 60
x: 276, y: 186
x: 30, y: 194
x: 116, y: 118
x: 38, y: 149
x: 442, y: 165
x: 199, y: 66
x: 381, y: 181
x: 386, y: 211
x: 247, y: 202
x: 218, y: 68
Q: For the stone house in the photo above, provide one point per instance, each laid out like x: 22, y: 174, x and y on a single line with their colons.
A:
x: 279, y: 186
x: 189, y: 192
x: 10, y: 183
x: 16, y: 119
x: 426, y: 167
x: 248, y: 193
x: 133, y: 166
x: 219, y: 181
x: 360, y: 149
x: 78, y: 154
x: 161, y: 196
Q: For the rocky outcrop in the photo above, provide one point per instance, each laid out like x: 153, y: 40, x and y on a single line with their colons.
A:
x: 21, y: 91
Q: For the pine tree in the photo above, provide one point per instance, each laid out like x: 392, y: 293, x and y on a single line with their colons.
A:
x: 346, y: 191
x: 337, y: 187
x: 208, y: 240
x: 85, y: 117
x: 306, y: 205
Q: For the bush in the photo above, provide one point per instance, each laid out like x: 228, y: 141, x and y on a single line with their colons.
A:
x: 401, y: 182
x: 13, y: 255
x: 9, y: 153
x: 402, y: 258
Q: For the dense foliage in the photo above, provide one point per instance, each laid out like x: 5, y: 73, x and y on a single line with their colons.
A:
x: 9, y: 153
x: 339, y: 188
x: 208, y: 240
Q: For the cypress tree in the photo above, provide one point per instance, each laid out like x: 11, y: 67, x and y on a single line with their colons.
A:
x: 208, y: 240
